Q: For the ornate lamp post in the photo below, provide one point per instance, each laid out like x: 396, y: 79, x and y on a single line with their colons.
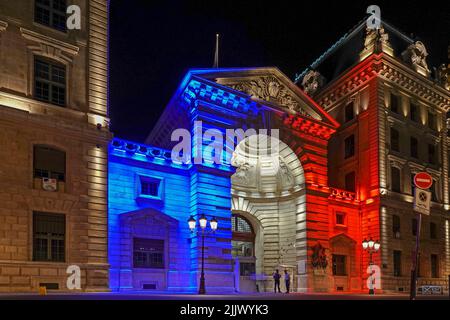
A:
x: 371, y: 246
x: 203, y: 223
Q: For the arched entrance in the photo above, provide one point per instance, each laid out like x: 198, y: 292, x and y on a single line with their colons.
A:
x: 268, y: 192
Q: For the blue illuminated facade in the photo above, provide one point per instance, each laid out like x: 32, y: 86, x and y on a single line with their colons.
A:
x: 183, y: 190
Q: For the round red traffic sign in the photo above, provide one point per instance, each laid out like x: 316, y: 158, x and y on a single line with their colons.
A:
x: 423, y: 180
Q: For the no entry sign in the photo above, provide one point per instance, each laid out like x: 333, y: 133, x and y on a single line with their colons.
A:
x: 423, y: 180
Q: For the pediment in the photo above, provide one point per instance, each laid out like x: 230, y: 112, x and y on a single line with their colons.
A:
x: 271, y: 87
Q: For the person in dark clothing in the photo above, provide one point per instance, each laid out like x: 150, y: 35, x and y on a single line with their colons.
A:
x: 287, y: 280
x: 276, y: 278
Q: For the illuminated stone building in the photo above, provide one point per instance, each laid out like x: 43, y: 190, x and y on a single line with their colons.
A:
x: 54, y: 141
x: 392, y: 109
x: 354, y: 128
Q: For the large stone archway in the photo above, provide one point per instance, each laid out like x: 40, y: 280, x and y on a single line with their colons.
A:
x: 269, y: 189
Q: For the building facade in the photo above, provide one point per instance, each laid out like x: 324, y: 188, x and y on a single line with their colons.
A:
x: 54, y: 145
x: 351, y: 131
x: 345, y: 174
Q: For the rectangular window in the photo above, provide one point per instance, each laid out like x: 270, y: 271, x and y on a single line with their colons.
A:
x: 431, y: 154
x: 432, y: 121
x: 49, y: 163
x: 434, y: 190
x: 395, y: 140
x: 339, y: 265
x: 340, y: 218
x: 395, y: 179
x: 148, y: 253
x: 395, y: 103
x: 349, y: 112
x: 396, y: 226
x: 150, y: 188
x: 51, y: 13
x: 49, y: 82
x: 433, y: 230
x: 414, y: 148
x: 397, y: 257
x: 350, y: 182
x: 414, y: 112
x: 434, y: 259
x: 349, y: 146
x: 49, y: 237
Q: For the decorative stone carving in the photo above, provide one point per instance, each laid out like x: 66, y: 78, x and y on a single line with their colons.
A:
x: 416, y: 55
x: 319, y: 257
x: 287, y: 177
x: 443, y: 75
x: 376, y: 41
x: 243, y: 175
x: 270, y: 89
x: 312, y: 82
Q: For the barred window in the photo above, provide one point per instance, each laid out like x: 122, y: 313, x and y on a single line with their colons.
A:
x: 51, y: 13
x: 239, y: 224
x: 49, y: 237
x: 49, y: 81
x: 148, y: 253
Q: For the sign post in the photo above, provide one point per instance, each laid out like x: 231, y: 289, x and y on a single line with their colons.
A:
x: 422, y: 200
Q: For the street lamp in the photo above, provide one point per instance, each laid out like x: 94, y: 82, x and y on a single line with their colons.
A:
x: 371, y: 246
x: 203, y: 224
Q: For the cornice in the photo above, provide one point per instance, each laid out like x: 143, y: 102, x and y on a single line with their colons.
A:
x: 389, y: 69
x: 50, y: 45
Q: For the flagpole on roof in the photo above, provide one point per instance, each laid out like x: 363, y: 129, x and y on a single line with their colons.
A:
x: 216, y: 54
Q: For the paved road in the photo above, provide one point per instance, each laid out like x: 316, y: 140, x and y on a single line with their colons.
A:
x: 262, y: 296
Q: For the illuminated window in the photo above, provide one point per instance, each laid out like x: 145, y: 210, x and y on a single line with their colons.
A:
x: 350, y: 182
x: 148, y: 253
x: 414, y: 148
x: 49, y: 237
x: 150, y: 187
x: 396, y: 226
x: 243, y: 237
x: 51, y: 13
x: 240, y: 224
x: 349, y: 146
x: 434, y: 260
x: 434, y: 190
x: 414, y: 112
x: 339, y: 265
x: 349, y: 112
x: 340, y: 218
x: 395, y: 140
x: 395, y: 179
x: 49, y: 81
x: 49, y: 163
x: 397, y: 257
x: 395, y: 103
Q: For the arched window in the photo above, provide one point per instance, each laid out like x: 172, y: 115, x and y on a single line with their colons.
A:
x: 243, y: 236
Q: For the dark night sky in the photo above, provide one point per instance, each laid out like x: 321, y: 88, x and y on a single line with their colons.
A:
x: 154, y: 43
